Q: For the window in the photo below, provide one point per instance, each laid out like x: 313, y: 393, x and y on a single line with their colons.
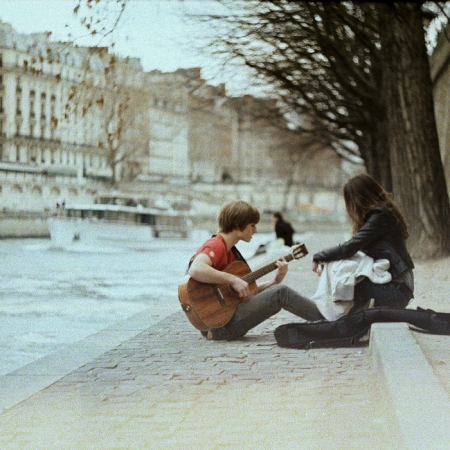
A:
x: 43, y: 106
x: 18, y: 92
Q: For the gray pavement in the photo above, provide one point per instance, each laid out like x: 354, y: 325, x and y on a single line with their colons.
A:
x: 134, y: 387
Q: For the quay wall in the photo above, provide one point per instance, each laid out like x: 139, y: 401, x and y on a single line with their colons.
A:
x: 23, y: 227
x: 302, y: 206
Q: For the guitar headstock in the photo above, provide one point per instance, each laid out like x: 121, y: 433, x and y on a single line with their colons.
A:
x: 299, y: 251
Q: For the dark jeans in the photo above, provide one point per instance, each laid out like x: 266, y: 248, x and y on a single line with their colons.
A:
x: 256, y: 310
x: 385, y: 295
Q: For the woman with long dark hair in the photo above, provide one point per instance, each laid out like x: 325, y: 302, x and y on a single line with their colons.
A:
x: 379, y: 231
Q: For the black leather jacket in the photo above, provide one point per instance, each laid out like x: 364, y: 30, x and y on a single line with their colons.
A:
x: 379, y: 238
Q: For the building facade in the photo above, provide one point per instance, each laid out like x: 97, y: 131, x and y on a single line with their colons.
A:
x: 76, y: 121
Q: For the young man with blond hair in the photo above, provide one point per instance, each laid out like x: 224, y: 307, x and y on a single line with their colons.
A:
x: 237, y: 221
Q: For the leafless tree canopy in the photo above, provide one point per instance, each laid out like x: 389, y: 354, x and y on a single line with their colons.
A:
x: 327, y: 60
x: 321, y: 60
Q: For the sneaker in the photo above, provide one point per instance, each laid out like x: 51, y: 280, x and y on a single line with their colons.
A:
x: 208, y: 335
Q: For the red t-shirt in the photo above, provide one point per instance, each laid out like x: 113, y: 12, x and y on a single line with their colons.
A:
x: 216, y: 249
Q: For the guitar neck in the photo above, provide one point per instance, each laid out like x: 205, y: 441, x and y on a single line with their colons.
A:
x: 253, y: 276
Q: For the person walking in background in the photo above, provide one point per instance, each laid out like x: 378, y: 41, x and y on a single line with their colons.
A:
x: 283, y: 229
x: 380, y: 232
x: 237, y: 221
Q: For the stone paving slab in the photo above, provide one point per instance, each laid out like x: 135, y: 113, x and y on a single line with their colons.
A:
x: 437, y: 351
x: 416, y: 395
x: 169, y: 388
x: 31, y: 378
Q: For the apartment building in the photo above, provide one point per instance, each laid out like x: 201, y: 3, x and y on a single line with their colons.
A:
x: 75, y: 121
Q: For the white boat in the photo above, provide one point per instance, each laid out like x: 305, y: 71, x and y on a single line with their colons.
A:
x: 99, y: 224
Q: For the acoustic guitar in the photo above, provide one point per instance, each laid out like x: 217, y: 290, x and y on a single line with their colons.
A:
x: 212, y: 306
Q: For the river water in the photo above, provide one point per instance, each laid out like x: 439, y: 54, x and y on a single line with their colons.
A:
x: 50, y: 298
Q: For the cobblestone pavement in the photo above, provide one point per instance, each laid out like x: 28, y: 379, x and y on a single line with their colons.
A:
x: 169, y: 388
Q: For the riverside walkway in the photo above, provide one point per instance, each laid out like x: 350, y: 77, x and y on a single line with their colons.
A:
x: 166, y: 387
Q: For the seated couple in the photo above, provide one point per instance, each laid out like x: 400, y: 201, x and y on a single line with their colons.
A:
x: 379, y: 231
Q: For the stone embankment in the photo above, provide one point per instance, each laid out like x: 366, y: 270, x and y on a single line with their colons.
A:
x: 204, y: 199
x: 23, y: 225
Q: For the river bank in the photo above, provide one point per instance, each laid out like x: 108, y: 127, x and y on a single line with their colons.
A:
x: 23, y: 225
x: 34, y: 225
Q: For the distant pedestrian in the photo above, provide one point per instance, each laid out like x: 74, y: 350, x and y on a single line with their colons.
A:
x: 283, y: 229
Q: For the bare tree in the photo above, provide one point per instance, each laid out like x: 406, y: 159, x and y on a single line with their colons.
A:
x: 98, y: 95
x: 316, y: 64
x: 368, y: 84
x: 124, y: 132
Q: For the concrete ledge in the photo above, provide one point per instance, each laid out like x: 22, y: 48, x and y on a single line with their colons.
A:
x: 26, y: 381
x: 418, y: 400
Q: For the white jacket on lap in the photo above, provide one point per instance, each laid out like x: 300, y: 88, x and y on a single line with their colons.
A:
x: 335, y: 291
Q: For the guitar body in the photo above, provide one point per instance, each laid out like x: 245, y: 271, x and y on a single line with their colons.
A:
x: 212, y: 306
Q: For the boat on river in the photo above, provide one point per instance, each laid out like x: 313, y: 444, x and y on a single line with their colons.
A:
x: 116, y: 224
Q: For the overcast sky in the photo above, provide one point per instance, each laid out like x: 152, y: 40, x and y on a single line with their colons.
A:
x: 154, y: 31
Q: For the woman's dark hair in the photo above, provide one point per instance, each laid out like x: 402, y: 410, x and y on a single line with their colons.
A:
x: 362, y: 194
x: 237, y: 215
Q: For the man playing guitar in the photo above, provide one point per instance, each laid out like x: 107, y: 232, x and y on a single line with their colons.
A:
x: 237, y: 221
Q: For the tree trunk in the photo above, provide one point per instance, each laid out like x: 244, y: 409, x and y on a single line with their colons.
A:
x: 418, y: 178
x: 383, y: 158
x: 374, y: 148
